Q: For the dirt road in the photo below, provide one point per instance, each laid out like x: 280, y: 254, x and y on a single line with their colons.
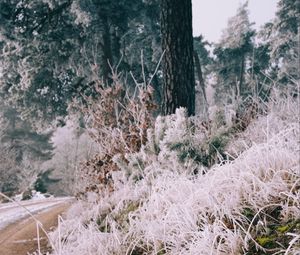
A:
x: 20, y: 237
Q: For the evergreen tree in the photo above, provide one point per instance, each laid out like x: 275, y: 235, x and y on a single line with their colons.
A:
x: 9, y: 169
x: 53, y: 51
x: 44, y: 180
x: 26, y: 148
x: 233, y: 51
x: 37, y: 43
x: 283, y: 37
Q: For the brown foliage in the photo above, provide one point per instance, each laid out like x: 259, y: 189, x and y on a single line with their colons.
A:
x: 118, y: 123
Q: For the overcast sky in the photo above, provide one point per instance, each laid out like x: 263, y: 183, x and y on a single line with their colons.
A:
x: 210, y: 16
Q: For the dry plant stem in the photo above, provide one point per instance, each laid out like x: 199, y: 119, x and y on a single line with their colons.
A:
x: 38, y: 238
x: 156, y: 69
x: 294, y: 240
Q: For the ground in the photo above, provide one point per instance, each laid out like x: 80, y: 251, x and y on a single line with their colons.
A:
x: 20, y: 237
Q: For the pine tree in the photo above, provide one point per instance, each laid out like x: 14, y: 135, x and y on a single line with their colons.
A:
x: 232, y: 52
x: 27, y: 148
x: 52, y: 52
x: 283, y: 37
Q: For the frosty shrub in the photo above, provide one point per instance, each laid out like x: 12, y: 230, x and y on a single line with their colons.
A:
x: 175, y: 142
x: 118, y: 123
x: 186, y: 143
x: 249, y: 205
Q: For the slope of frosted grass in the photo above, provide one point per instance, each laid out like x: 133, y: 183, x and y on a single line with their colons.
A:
x: 181, y: 208
x: 177, y: 213
x: 283, y: 113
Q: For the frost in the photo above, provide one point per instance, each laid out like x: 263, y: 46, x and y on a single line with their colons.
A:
x: 237, y: 29
x: 161, y: 207
x: 43, y: 91
x: 12, y: 212
x: 82, y: 17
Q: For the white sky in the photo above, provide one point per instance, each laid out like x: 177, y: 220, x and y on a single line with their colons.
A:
x: 210, y: 16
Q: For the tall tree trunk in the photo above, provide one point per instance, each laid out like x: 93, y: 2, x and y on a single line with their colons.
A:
x: 241, y: 78
x: 178, y: 65
x: 200, y: 75
x: 203, y: 101
x: 107, y: 51
x: 116, y: 47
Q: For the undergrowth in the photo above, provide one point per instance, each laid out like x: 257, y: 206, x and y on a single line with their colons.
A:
x: 190, y: 189
x: 118, y: 123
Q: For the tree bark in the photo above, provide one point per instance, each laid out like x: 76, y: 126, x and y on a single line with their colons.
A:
x: 178, y: 65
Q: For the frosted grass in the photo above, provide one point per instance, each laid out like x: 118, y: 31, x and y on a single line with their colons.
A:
x: 171, y: 211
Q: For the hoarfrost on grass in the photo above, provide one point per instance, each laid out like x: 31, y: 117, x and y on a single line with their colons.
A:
x: 173, y: 211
